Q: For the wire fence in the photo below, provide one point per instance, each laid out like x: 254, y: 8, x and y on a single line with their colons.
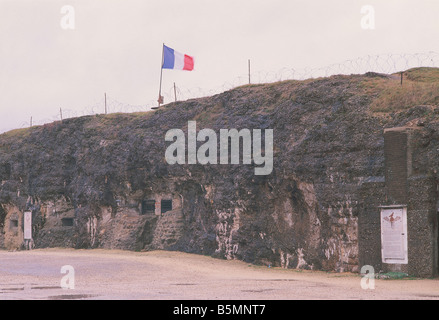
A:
x: 383, y: 63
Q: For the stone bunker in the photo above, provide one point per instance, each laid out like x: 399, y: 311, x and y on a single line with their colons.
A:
x: 349, y: 187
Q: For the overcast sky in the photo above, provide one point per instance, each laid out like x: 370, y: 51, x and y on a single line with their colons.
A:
x: 116, y: 47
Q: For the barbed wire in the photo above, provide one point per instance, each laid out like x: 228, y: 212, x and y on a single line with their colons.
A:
x: 383, y: 63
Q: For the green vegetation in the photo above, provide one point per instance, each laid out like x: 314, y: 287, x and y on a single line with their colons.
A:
x: 394, y: 276
x: 209, y: 115
x: 423, y: 74
x: 16, y: 133
x: 420, y: 87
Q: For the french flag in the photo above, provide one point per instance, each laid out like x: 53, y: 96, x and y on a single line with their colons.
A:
x: 176, y: 60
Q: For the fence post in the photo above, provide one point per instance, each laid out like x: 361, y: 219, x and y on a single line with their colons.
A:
x: 249, y: 82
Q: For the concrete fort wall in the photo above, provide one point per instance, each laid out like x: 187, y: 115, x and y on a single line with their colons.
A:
x: 401, y: 186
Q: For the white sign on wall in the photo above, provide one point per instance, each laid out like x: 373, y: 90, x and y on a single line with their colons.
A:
x: 394, y: 235
x: 27, y: 225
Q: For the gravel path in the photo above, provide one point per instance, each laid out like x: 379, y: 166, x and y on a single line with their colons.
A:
x: 113, y: 274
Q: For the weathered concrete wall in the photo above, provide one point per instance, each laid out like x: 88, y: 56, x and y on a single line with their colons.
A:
x: 308, y: 213
x: 401, y: 186
x: 373, y: 195
x: 54, y: 233
x: 397, y: 153
x: 422, y: 226
x: 13, y: 231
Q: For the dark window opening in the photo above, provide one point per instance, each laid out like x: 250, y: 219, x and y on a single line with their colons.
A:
x: 148, y: 206
x: 2, y: 216
x: 166, y: 205
x: 67, y: 222
x: 13, y: 224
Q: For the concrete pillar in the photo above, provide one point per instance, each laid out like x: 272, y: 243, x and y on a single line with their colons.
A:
x: 401, y: 185
x: 418, y: 193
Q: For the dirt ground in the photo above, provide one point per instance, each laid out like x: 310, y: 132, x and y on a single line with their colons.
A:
x: 113, y: 274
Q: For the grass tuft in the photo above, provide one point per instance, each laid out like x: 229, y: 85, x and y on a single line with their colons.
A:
x: 420, y: 87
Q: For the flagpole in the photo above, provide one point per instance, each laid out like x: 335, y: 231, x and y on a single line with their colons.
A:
x: 161, y: 74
